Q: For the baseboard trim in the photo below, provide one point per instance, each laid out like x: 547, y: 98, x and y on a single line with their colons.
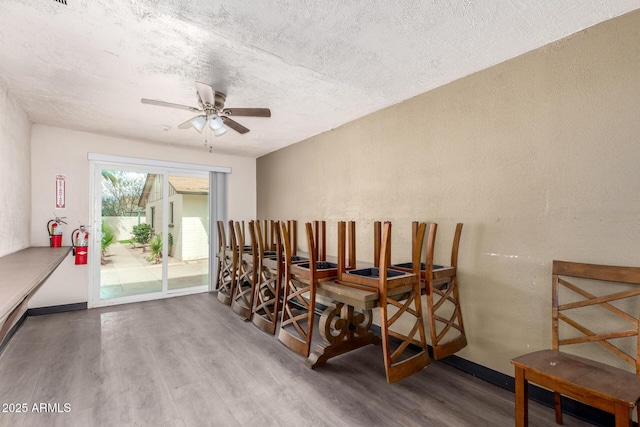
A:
x: 56, y: 309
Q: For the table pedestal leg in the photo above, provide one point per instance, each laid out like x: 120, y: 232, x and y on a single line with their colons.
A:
x: 342, y: 329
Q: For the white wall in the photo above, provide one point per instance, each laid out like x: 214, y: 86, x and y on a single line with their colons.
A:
x: 62, y: 287
x: 61, y: 151
x: 15, y: 175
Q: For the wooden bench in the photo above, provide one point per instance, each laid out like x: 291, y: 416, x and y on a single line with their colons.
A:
x: 21, y: 274
x: 611, y: 389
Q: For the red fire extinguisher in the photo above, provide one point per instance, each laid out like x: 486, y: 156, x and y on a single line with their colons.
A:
x: 54, y: 228
x: 80, y: 243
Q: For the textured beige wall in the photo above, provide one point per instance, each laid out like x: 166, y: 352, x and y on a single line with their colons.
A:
x: 15, y: 174
x: 61, y: 151
x: 538, y: 156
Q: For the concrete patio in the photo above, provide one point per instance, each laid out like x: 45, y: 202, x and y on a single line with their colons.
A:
x: 127, y: 272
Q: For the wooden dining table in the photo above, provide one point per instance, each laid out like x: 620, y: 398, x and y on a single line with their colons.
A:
x: 345, y: 323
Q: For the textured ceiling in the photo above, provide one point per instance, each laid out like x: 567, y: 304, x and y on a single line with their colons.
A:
x: 316, y: 64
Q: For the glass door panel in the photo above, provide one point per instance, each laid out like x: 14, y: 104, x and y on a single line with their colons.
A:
x: 188, y: 232
x: 131, y: 220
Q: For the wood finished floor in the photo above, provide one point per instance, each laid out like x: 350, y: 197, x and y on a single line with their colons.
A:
x: 190, y: 361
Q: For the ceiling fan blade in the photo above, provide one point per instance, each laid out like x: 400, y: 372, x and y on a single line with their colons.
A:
x: 197, y: 122
x: 234, y: 125
x: 253, y: 112
x: 206, y: 93
x: 169, y: 104
x: 185, y: 125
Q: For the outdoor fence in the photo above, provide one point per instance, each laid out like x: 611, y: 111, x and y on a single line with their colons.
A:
x: 123, y: 225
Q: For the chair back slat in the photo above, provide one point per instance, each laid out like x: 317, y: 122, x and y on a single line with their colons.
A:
x: 456, y: 245
x: 607, y: 273
x: 574, y: 278
x: 342, y: 233
x: 351, y: 226
x: 377, y: 238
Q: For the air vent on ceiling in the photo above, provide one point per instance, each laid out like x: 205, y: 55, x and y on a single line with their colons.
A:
x: 61, y: 1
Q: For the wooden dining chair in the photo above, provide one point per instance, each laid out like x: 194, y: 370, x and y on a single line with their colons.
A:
x: 443, y: 300
x: 588, y: 309
x: 242, y: 300
x: 267, y: 293
x: 227, y: 282
x: 299, y: 298
x: 402, y: 361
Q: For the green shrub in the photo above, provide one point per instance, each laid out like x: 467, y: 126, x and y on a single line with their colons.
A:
x: 142, y: 233
x: 108, y: 236
x: 155, y: 246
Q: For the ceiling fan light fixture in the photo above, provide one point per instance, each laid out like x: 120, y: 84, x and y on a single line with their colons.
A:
x: 199, y: 123
x: 216, y: 122
x: 220, y: 131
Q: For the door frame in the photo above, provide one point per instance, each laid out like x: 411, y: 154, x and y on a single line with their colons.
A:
x: 217, y: 212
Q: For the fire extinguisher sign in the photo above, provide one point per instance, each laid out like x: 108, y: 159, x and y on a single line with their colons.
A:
x: 60, y: 192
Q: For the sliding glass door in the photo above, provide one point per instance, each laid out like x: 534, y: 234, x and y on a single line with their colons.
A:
x: 154, y: 229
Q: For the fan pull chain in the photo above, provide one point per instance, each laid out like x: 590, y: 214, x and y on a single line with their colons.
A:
x: 207, y: 138
x: 210, y: 143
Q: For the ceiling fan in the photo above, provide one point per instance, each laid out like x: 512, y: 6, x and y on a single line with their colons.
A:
x: 212, y: 111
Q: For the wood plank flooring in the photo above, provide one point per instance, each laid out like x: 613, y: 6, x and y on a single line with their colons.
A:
x: 190, y: 361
